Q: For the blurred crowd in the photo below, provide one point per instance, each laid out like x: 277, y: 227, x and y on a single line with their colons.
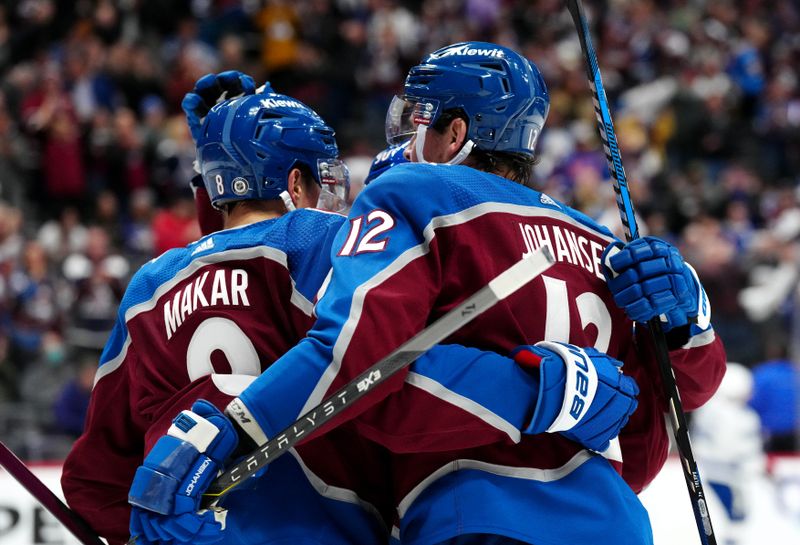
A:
x: 95, y: 155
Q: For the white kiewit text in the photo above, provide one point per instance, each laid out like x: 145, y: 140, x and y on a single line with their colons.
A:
x: 467, y: 50
x: 280, y: 103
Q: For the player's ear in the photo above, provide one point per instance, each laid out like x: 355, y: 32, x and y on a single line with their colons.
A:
x: 457, y: 131
x: 295, y: 185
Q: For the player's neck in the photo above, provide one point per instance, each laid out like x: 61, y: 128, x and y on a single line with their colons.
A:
x: 503, y: 172
x: 245, y: 213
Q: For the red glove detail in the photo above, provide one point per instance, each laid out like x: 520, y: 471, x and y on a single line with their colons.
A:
x: 527, y: 359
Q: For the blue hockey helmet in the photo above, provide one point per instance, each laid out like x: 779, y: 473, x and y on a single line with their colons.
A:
x: 501, y: 92
x: 249, y: 144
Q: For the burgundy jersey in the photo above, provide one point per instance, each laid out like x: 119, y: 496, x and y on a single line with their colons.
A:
x: 419, y: 241
x: 203, y: 322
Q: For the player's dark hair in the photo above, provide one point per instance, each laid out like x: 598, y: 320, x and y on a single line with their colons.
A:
x: 306, y: 176
x: 518, y: 167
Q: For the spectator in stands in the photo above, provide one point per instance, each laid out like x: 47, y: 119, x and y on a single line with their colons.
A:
x: 49, y: 114
x: 69, y: 409
x: 35, y: 305
x: 63, y: 236
x: 175, y: 226
x: 137, y: 231
x: 98, y: 278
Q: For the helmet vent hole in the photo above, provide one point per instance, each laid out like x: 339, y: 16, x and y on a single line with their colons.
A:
x: 259, y: 130
x: 261, y: 154
x: 506, y: 86
x: 501, y: 108
x: 492, y: 66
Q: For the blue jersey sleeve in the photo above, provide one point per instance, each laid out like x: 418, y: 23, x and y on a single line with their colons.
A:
x: 309, y: 237
x: 386, y: 277
x: 383, y: 259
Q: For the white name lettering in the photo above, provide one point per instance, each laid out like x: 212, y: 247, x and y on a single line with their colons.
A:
x: 228, y: 287
x: 196, y: 476
x: 566, y: 245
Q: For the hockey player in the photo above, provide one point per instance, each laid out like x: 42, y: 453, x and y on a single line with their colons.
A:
x: 391, y: 156
x: 425, y: 237
x: 203, y: 321
x: 309, y: 512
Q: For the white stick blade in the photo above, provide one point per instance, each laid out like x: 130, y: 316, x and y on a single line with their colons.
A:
x: 521, y: 273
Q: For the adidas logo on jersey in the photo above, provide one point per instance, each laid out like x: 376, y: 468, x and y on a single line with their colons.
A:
x: 207, y: 244
x: 466, y: 50
x: 544, y: 199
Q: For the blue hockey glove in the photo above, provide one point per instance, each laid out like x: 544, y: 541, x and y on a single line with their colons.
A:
x: 167, y: 489
x: 582, y: 393
x: 649, y: 278
x: 385, y: 160
x: 210, y: 89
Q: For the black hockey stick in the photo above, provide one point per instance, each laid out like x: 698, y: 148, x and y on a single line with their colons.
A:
x: 498, y: 289
x: 614, y: 158
x: 66, y: 516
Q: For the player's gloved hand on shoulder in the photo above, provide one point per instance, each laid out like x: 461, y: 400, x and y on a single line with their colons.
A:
x: 648, y: 277
x: 168, y: 487
x: 210, y: 89
x: 582, y: 393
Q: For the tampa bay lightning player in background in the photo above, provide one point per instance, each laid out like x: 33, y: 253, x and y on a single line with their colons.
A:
x: 424, y: 236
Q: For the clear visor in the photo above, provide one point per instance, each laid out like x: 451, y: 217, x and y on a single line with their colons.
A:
x: 335, y: 179
x: 405, y: 115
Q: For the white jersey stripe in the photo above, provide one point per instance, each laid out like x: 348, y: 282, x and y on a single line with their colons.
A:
x: 360, y: 293
x: 527, y: 473
x: 267, y: 252
x: 437, y: 389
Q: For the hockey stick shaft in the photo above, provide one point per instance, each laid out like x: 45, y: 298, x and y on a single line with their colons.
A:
x: 498, y: 289
x: 66, y: 516
x: 677, y: 418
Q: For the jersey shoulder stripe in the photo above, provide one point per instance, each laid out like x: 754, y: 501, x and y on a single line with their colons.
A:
x: 285, y: 240
x: 445, y: 190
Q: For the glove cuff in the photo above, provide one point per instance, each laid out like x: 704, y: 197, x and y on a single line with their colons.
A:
x: 238, y: 412
x: 580, y: 387
x: 194, y: 429
x: 703, y: 304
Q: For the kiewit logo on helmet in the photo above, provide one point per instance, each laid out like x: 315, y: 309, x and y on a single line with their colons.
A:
x: 280, y: 103
x: 467, y: 50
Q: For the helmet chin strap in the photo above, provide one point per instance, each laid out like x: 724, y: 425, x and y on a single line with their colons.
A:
x: 287, y: 201
x: 457, y: 160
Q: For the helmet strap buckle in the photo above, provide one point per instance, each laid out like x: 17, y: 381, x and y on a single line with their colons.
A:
x: 287, y: 201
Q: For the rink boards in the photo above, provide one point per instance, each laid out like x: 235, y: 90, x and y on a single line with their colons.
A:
x: 774, y: 517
